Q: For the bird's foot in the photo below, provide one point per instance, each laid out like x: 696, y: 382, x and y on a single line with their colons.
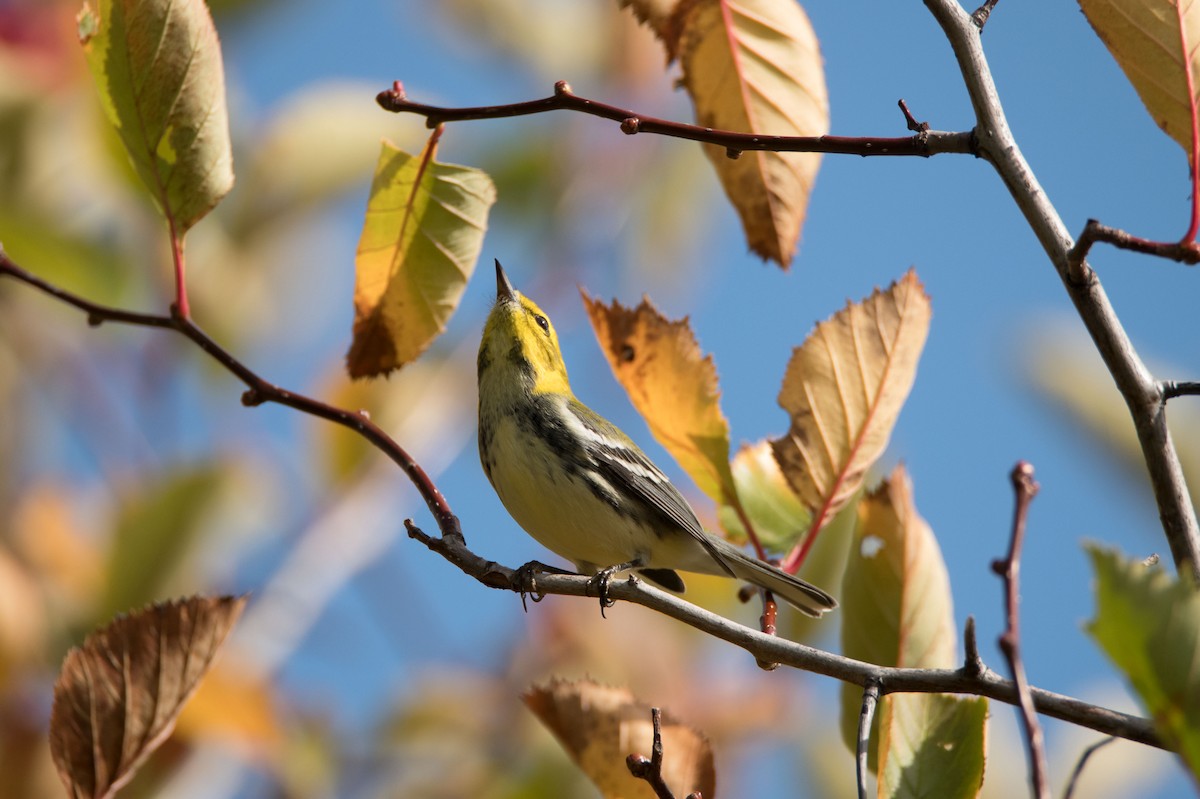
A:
x: 524, y: 580
x: 602, y: 579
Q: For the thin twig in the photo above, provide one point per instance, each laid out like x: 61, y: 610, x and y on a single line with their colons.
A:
x: 972, y: 662
x: 1180, y: 388
x: 910, y: 120
x: 1009, y: 569
x: 865, y: 717
x: 651, y: 770
x: 925, y: 144
x: 1186, y: 251
x: 980, y: 15
x: 1135, y: 382
x: 1083, y: 759
x: 258, y: 390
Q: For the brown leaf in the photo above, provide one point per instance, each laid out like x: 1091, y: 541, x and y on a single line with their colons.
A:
x: 672, y: 384
x: 600, y: 726
x: 754, y: 66
x: 844, y: 388
x: 117, y: 697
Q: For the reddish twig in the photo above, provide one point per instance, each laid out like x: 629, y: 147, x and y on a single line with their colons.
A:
x: 180, y: 268
x: 865, y: 717
x: 258, y: 390
x: 910, y: 120
x: 1185, y: 52
x: 1186, y: 251
x: 926, y: 144
x: 1009, y: 569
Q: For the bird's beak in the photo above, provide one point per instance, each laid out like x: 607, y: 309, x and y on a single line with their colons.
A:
x: 504, y: 289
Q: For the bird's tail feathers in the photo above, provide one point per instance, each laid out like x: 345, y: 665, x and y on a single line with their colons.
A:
x: 802, y: 595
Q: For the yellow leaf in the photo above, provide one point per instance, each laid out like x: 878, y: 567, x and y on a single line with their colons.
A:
x: 117, y: 697
x: 157, y: 64
x: 421, y: 237
x: 896, y: 603
x: 754, y: 66
x: 672, y: 385
x: 1157, y: 44
x: 600, y: 726
x: 844, y: 388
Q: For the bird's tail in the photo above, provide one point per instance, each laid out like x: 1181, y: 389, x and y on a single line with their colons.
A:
x: 804, y: 596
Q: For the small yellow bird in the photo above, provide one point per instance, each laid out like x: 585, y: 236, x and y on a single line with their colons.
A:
x: 579, y: 485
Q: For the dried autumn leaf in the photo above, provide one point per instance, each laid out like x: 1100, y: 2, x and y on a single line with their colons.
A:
x: 600, y: 726
x: 672, y: 385
x: 117, y: 697
x: 1157, y: 45
x: 157, y: 64
x: 421, y: 237
x: 896, y: 603
x: 843, y: 389
x: 754, y: 66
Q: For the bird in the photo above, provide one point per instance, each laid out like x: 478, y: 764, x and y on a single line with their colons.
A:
x: 581, y: 487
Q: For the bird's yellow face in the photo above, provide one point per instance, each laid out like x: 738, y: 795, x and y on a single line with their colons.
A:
x: 518, y: 335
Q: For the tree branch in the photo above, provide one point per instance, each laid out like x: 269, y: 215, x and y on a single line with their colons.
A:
x: 650, y: 770
x: 925, y: 143
x: 452, y: 546
x: 1009, y: 569
x: 789, y: 653
x: 1140, y: 391
x: 258, y: 390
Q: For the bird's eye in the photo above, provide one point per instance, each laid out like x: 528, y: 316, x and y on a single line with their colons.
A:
x: 543, y: 323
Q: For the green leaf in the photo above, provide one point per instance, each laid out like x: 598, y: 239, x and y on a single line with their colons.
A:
x: 157, y: 64
x: 778, y: 515
x: 896, y: 604
x: 155, y: 532
x: 421, y: 237
x: 1148, y: 623
x: 932, y: 745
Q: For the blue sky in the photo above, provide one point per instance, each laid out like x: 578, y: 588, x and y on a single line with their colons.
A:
x: 997, y: 301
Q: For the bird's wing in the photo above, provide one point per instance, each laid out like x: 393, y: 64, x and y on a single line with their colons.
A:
x: 632, y: 474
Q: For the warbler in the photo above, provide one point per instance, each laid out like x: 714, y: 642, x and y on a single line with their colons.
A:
x: 579, y: 485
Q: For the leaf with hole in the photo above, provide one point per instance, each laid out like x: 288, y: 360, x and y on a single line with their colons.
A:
x: 896, y: 603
